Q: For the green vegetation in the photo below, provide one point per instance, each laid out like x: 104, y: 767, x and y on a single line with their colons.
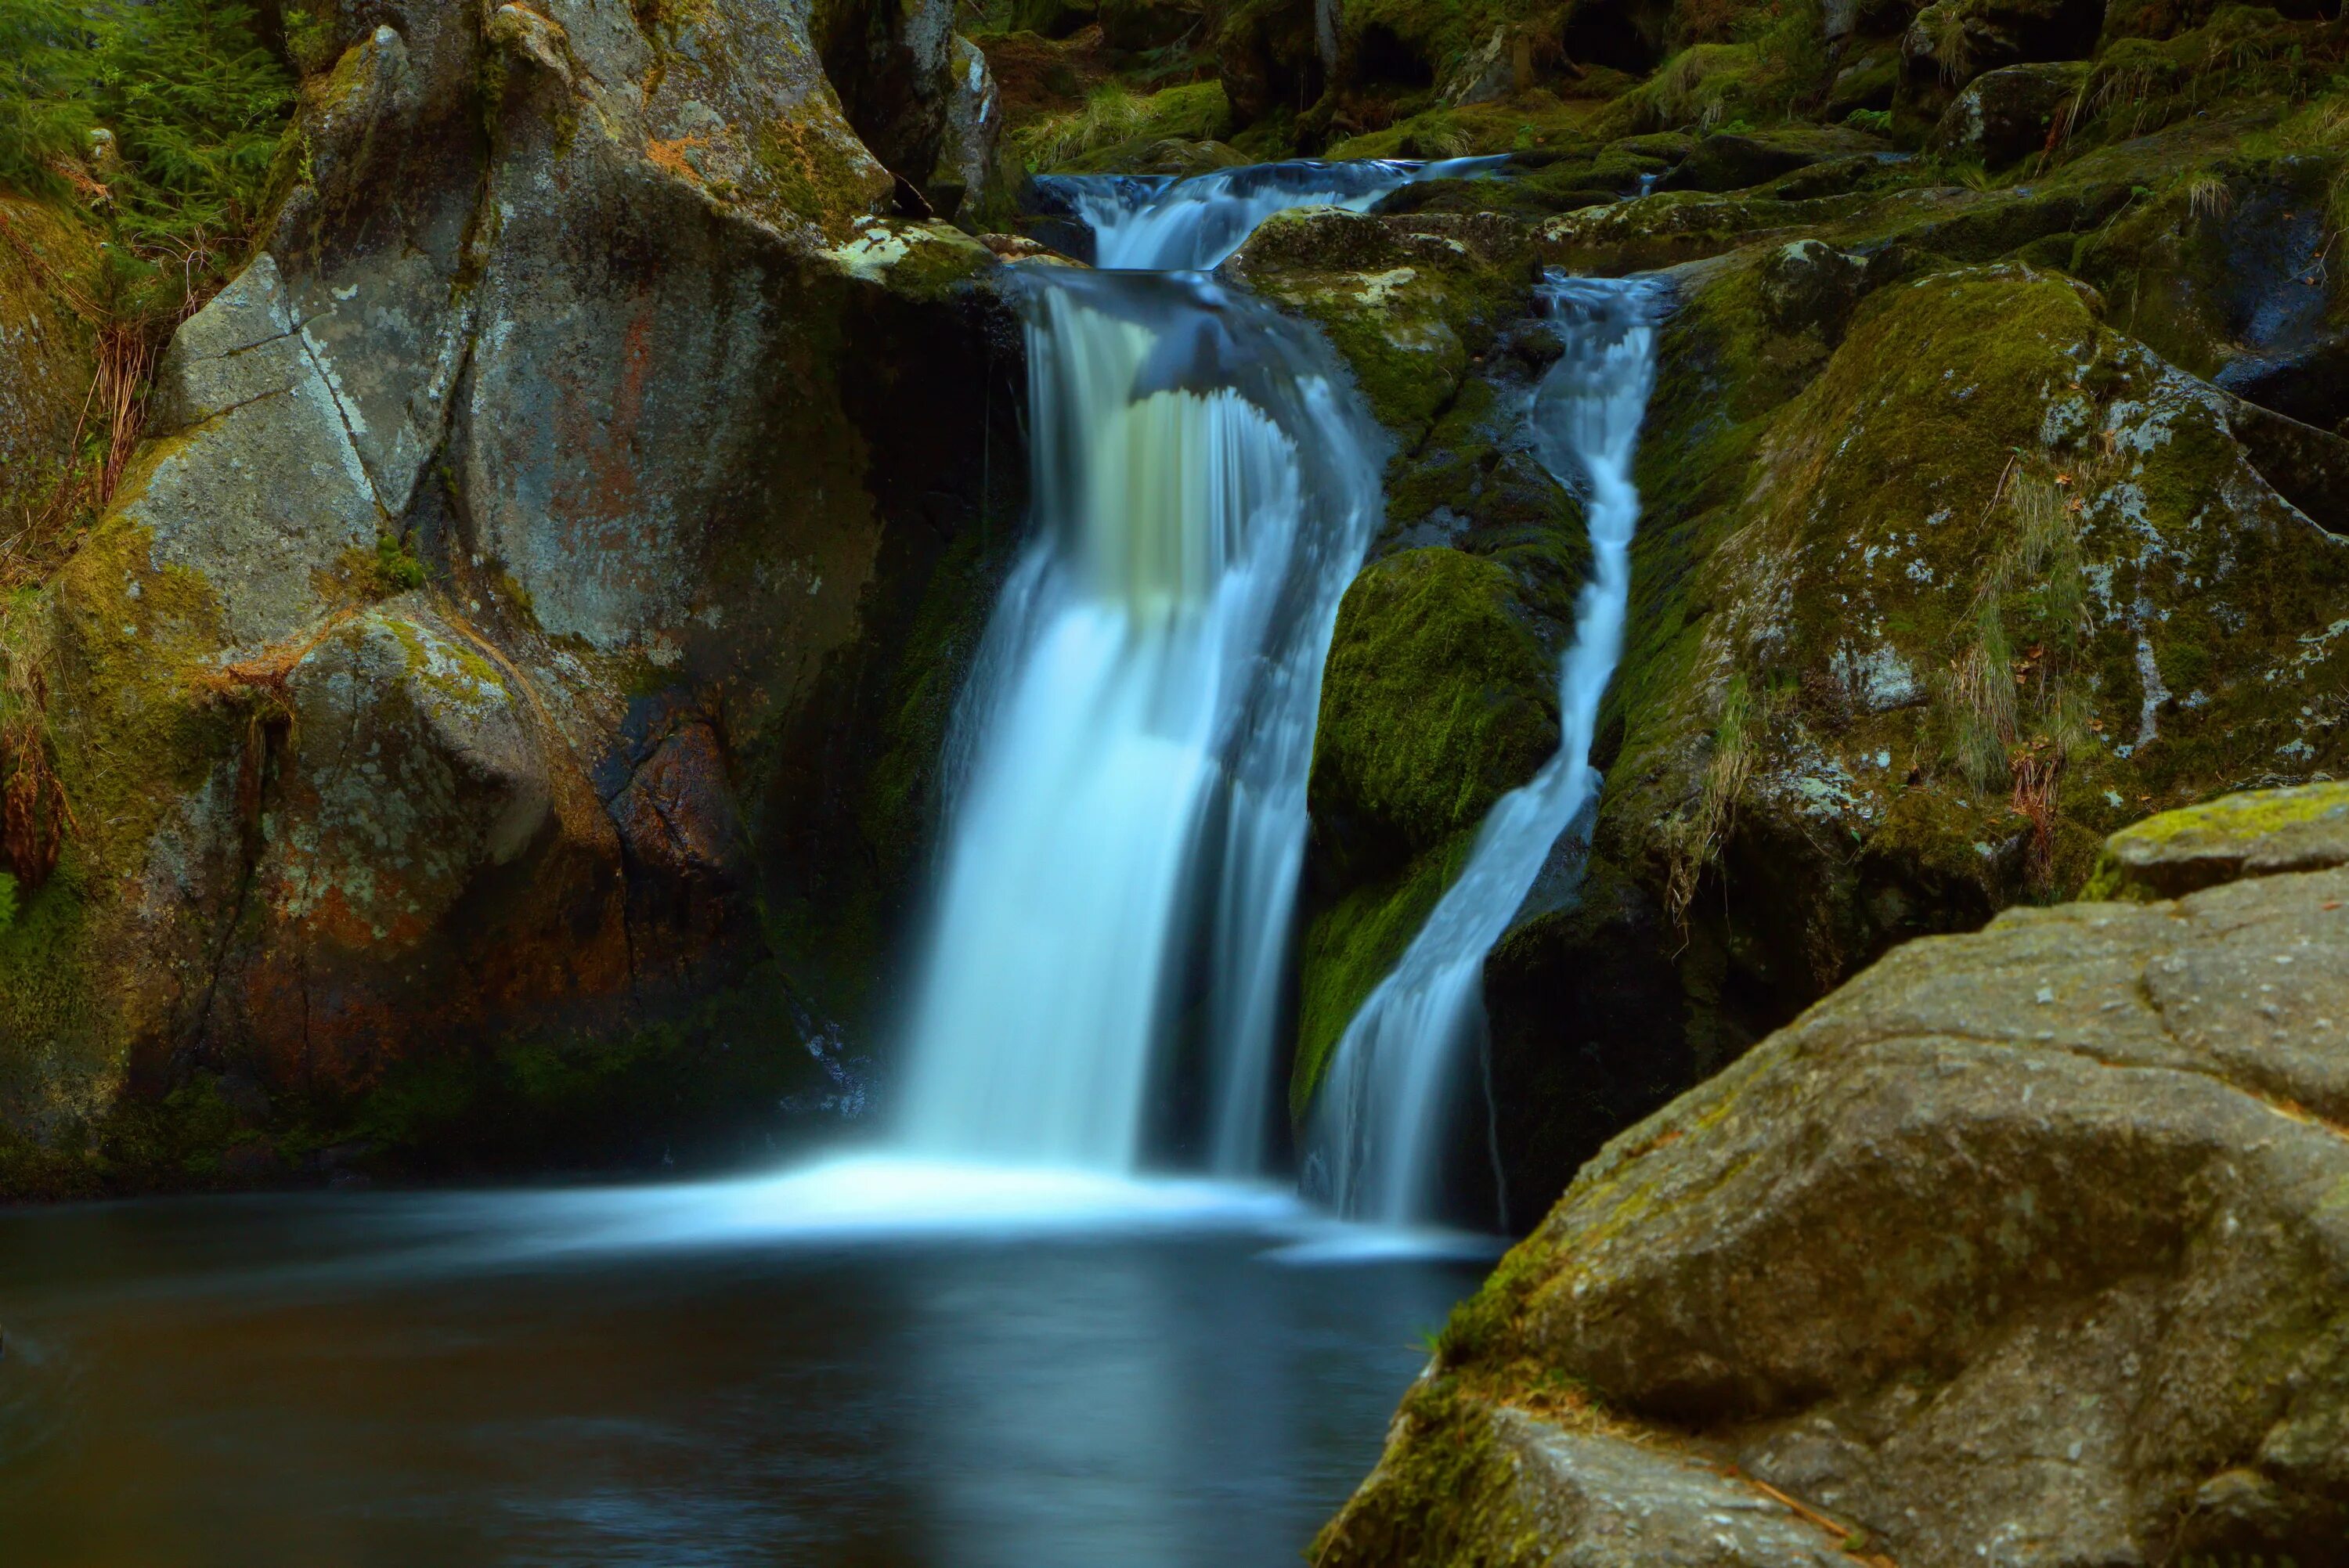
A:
x: 1438, y: 699
x: 137, y: 143
x: 396, y: 570
x: 162, y: 118
x: 1114, y: 115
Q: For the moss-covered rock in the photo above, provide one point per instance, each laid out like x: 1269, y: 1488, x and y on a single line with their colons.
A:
x: 1408, y: 301
x: 2267, y: 832
x: 2009, y: 113
x: 1848, y: 1296
x: 1953, y: 641
x: 1437, y: 699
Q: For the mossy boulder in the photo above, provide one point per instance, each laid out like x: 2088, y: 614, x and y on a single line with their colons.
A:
x: 2009, y: 113
x: 1437, y: 698
x: 1671, y: 227
x: 972, y: 185
x: 2218, y: 270
x: 2265, y: 833
x: 1850, y: 1295
x: 1927, y: 659
x: 1176, y: 130
x: 1408, y: 300
x: 1739, y: 161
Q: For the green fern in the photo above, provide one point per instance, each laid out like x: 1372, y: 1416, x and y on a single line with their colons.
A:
x: 44, y: 117
x: 196, y: 105
x: 193, y: 101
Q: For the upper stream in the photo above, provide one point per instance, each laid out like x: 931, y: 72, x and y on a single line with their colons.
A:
x: 1126, y: 832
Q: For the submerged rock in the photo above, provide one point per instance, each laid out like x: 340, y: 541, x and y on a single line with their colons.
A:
x: 2024, y: 1246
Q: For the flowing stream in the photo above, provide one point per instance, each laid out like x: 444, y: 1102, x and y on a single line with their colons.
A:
x: 1394, y: 1087
x: 1124, y: 846
x: 1155, y: 223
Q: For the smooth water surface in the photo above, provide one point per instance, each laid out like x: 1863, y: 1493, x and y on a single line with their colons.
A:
x: 863, y: 1365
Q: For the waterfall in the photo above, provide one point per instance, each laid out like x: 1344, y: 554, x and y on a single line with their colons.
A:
x: 1158, y: 222
x: 1124, y: 844
x: 1393, y: 1085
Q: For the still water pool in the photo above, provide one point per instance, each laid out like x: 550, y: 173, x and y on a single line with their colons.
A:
x: 868, y: 1363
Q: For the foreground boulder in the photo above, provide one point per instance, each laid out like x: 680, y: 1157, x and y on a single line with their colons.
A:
x: 2026, y: 1247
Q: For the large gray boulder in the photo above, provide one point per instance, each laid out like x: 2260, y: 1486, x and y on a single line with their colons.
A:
x: 495, y: 633
x: 2027, y: 1247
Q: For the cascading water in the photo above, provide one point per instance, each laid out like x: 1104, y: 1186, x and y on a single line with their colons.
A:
x: 1139, y: 727
x: 1160, y: 224
x: 1393, y: 1088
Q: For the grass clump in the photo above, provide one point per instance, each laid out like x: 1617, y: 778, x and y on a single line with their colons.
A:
x: 1115, y: 114
x: 2013, y: 699
x: 1694, y: 839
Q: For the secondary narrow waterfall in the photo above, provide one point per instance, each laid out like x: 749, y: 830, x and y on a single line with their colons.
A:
x: 1124, y: 845
x: 1394, y: 1082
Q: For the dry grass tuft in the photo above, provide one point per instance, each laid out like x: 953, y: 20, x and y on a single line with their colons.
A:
x: 1694, y: 839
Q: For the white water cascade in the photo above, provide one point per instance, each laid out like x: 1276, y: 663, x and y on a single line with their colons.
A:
x: 1158, y: 223
x: 1392, y: 1090
x: 1124, y: 844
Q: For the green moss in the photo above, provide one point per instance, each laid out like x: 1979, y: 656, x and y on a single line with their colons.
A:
x: 1447, y: 1492
x: 1533, y: 121
x: 1762, y: 79
x: 1406, y: 302
x: 2221, y: 833
x: 813, y: 170
x: 1436, y: 699
x: 55, y: 1035
x: 1349, y: 947
x: 936, y: 261
x: 1115, y: 124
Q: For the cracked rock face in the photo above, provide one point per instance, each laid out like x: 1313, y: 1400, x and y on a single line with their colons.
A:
x: 2029, y: 1247
x: 505, y: 533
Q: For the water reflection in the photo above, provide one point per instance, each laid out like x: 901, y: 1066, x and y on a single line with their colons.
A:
x: 1047, y: 1368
